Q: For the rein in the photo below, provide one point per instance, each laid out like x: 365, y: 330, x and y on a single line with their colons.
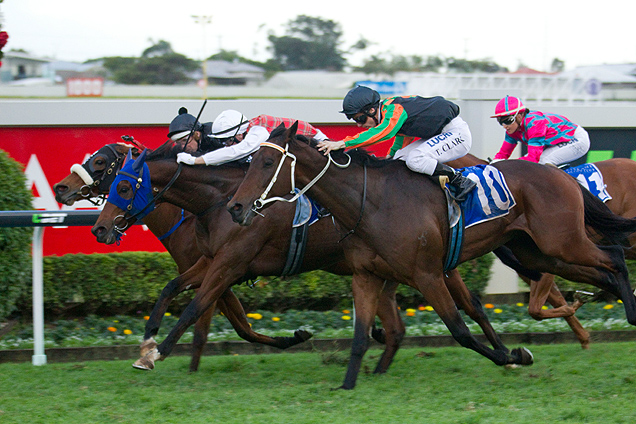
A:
x: 263, y: 200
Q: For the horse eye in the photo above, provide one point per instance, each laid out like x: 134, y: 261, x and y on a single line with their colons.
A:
x: 268, y: 163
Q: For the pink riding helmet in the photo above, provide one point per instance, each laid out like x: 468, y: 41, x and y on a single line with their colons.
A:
x: 509, y: 105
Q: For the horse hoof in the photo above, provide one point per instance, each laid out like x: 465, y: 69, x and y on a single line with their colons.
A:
x: 146, y: 346
x: 522, y: 356
x: 379, y: 335
x: 147, y: 363
x: 302, y: 335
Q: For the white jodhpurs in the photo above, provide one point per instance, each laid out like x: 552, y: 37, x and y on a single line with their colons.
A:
x: 570, y: 151
x: 452, y: 143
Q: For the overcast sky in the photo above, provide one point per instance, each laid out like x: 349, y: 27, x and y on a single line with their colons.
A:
x: 509, y: 32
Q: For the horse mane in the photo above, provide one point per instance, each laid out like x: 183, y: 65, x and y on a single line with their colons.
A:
x: 358, y: 156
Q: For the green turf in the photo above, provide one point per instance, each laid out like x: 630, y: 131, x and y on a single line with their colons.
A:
x: 424, y: 385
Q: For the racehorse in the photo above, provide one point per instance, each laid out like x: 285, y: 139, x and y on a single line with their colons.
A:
x: 398, y: 222
x: 175, y: 229
x: 233, y: 253
x: 618, y: 175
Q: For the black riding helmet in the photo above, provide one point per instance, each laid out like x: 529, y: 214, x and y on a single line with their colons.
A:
x: 183, y: 124
x: 360, y: 100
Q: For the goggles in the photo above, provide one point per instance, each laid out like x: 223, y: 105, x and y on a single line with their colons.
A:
x: 360, y: 119
x: 507, y: 120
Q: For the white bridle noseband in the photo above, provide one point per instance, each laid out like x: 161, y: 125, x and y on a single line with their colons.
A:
x: 263, y: 200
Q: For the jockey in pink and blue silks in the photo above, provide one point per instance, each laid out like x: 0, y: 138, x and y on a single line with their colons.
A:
x: 551, y: 138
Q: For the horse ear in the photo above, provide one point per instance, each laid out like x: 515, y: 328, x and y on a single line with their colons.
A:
x: 139, y: 162
x: 291, y: 132
x: 128, y: 156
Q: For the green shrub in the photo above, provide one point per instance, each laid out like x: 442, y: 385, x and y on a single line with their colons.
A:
x: 130, y: 282
x: 15, y: 251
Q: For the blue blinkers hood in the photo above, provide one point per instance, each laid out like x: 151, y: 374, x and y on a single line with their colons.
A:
x: 137, y: 173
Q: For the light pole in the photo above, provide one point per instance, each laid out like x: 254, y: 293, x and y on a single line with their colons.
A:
x: 203, y: 20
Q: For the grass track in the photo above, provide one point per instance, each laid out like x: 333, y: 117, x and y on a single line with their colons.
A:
x: 424, y: 385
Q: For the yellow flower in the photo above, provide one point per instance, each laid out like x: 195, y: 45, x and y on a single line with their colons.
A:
x: 167, y: 314
x: 544, y: 307
x: 127, y: 332
x: 608, y: 306
x: 429, y: 308
x: 346, y: 311
x: 255, y: 316
x: 410, y: 310
x: 112, y: 329
x: 498, y: 311
x: 346, y: 317
x: 116, y: 320
x: 619, y: 301
x: 275, y: 319
x: 520, y: 304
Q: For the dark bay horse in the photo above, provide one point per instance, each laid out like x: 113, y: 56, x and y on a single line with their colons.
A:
x: 233, y: 253
x: 176, y: 230
x: 399, y: 221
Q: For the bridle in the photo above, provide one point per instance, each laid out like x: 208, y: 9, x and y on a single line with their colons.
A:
x: 84, y: 172
x: 263, y: 200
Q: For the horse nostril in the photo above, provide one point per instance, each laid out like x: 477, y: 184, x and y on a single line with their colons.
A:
x: 60, y: 189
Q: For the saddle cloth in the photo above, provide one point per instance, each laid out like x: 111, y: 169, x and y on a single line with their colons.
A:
x: 591, y: 178
x: 491, y: 198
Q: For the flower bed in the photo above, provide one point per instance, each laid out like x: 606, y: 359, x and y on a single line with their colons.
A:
x: 420, y: 321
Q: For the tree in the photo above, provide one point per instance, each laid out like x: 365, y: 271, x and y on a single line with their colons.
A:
x: 309, y: 43
x: 557, y: 65
x: 158, y: 64
x: 399, y: 63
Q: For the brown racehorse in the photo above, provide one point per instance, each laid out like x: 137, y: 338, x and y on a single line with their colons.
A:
x: 618, y: 175
x: 175, y: 228
x: 400, y: 228
x: 233, y: 253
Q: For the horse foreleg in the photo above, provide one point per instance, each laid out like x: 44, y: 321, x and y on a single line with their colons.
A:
x: 366, y: 291
x: 190, y: 279
x: 556, y: 299
x: 392, y: 324
x: 201, y: 330
x: 473, y: 308
x: 234, y: 312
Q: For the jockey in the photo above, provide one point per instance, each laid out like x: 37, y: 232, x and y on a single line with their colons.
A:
x: 427, y: 131
x: 242, y: 137
x: 551, y: 139
x: 181, y: 127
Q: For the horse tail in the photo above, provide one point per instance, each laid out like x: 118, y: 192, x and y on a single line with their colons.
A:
x: 506, y: 256
x: 613, y: 228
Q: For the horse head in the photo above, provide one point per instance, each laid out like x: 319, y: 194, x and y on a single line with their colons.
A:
x: 129, y: 200
x: 94, y: 177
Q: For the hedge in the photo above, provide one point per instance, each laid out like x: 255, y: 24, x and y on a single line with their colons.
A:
x: 130, y: 282
x: 15, y: 243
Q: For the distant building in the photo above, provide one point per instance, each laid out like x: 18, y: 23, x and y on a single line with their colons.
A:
x: 19, y: 66
x: 221, y: 72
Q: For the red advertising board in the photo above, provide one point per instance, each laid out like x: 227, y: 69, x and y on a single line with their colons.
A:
x: 48, y: 154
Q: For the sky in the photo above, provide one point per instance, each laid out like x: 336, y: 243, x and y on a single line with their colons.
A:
x: 510, y: 33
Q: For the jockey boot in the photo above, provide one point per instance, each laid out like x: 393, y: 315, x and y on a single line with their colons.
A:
x: 462, y: 184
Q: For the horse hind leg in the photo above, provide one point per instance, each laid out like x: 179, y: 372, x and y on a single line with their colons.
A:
x: 471, y: 305
x: 438, y: 296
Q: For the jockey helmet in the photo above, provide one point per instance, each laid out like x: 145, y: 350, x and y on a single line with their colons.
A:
x: 509, y: 105
x: 359, y: 99
x: 182, y: 125
x: 229, y: 123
